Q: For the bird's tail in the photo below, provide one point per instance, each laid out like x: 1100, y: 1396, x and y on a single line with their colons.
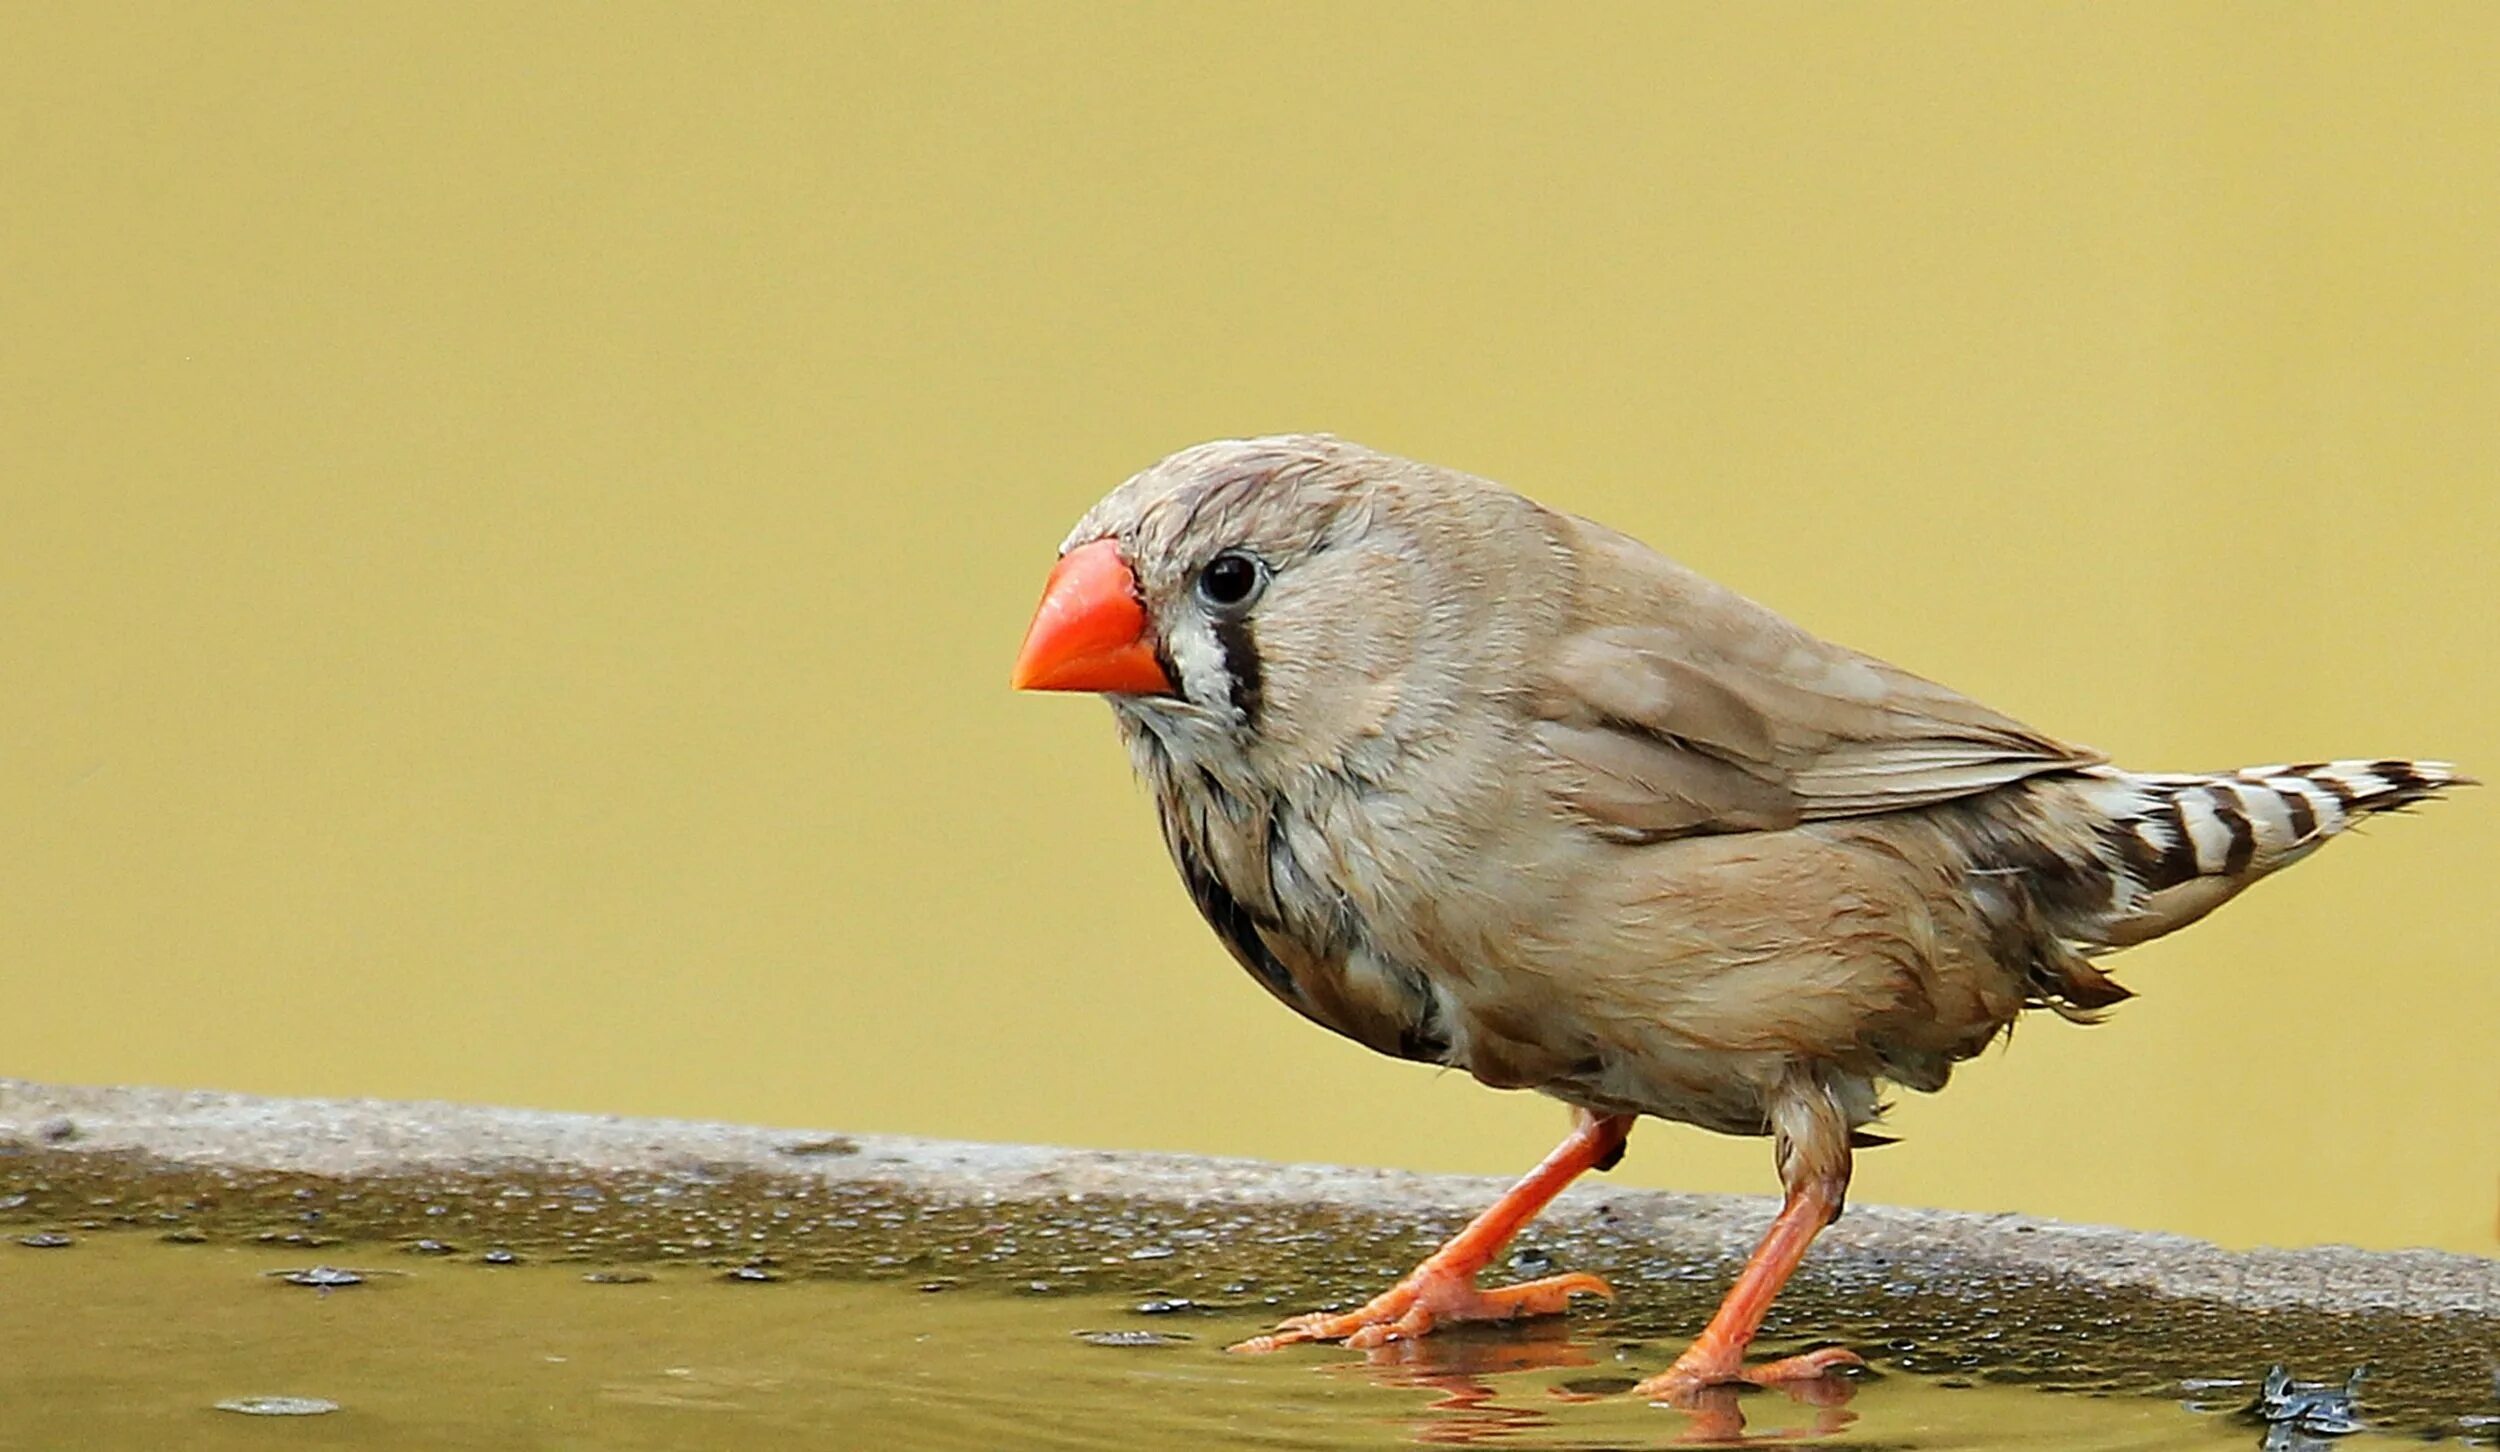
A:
x: 2184, y: 843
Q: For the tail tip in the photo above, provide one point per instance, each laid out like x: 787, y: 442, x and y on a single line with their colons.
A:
x: 2374, y: 779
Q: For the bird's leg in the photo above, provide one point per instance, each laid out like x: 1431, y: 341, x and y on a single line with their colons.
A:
x: 1444, y: 1288
x: 1717, y: 1356
x: 1814, y: 1163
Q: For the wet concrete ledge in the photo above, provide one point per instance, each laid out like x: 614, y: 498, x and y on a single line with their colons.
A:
x: 1999, y: 1298
x: 365, y: 1139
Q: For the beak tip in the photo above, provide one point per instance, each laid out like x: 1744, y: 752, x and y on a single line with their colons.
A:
x: 1089, y: 633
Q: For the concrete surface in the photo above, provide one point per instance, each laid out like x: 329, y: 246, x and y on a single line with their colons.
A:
x: 362, y: 1139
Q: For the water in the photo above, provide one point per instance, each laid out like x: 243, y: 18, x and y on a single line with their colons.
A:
x: 122, y: 1341
x: 694, y: 1302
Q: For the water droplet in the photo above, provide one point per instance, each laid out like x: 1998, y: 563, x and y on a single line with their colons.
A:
x: 320, y: 1277
x: 278, y: 1406
x: 1130, y: 1338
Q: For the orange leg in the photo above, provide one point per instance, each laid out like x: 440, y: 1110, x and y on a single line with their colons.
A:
x: 1717, y: 1356
x: 1444, y: 1288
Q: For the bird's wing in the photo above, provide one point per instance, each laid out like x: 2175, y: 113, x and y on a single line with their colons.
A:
x: 1674, y: 706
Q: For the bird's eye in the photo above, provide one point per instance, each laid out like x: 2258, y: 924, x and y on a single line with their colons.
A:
x: 1232, y: 580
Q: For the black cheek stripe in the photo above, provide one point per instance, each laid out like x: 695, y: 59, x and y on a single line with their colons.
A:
x: 1241, y: 665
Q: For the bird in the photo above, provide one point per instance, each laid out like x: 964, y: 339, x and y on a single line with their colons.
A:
x: 1479, y: 783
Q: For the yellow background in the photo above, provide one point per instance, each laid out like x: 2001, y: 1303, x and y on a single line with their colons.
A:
x: 513, y: 522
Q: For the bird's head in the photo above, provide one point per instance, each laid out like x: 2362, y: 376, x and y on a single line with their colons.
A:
x: 1261, y: 599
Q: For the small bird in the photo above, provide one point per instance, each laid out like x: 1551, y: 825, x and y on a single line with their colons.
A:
x: 1477, y: 783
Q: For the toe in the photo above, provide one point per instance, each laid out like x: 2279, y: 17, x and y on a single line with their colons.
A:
x: 1696, y: 1370
x: 1416, y: 1322
x: 1808, y: 1367
x: 1548, y: 1297
x: 1412, y: 1307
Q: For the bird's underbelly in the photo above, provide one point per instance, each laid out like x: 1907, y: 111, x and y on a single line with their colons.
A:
x: 1509, y: 1025
x: 1537, y: 1035
x: 1715, y: 1090
x: 1657, y: 980
x: 1545, y: 1043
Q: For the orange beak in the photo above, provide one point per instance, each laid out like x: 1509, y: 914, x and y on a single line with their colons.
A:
x: 1090, y: 632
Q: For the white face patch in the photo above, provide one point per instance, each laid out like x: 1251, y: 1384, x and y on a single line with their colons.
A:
x: 1199, y: 660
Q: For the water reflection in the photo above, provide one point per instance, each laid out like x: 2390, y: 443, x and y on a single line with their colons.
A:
x: 1717, y: 1414
x: 1456, y: 1365
x: 1470, y: 1410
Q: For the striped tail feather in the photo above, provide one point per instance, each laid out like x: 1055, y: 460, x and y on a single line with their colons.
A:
x: 2184, y: 843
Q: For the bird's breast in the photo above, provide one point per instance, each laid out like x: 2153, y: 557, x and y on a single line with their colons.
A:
x: 1295, y: 930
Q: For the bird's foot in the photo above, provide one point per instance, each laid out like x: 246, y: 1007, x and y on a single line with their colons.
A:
x: 1702, y: 1367
x: 1426, y: 1298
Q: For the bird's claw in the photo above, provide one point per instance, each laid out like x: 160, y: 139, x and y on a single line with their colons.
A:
x: 1423, y: 1300
x: 1697, y: 1370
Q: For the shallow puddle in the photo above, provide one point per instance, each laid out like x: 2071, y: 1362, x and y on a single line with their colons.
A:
x: 118, y: 1340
